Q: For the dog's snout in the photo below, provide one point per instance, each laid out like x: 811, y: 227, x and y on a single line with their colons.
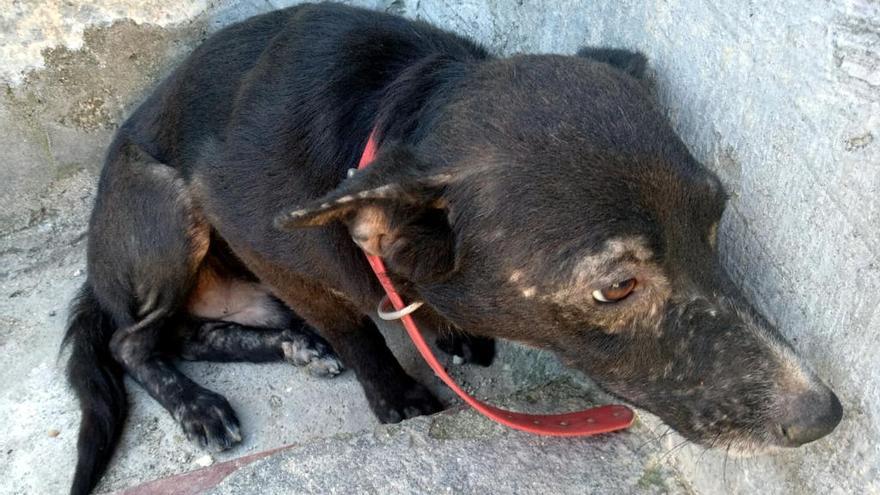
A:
x: 810, y: 416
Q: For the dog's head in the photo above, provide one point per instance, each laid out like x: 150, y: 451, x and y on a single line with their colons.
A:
x: 550, y: 203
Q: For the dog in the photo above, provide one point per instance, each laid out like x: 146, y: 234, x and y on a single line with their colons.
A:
x: 542, y: 199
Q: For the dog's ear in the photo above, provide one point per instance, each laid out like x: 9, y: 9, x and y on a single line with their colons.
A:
x: 633, y: 63
x: 394, y: 209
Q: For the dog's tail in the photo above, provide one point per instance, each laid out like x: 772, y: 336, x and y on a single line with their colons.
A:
x: 96, y: 379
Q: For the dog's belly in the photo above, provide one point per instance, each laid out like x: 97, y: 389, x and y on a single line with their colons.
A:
x: 217, y: 298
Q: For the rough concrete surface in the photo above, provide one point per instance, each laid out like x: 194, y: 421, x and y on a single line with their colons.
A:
x: 781, y: 98
x: 461, y: 452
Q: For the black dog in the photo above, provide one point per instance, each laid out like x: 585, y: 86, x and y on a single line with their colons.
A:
x: 541, y: 199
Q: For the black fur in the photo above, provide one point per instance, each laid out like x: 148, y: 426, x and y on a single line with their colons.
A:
x: 507, y: 194
x: 96, y: 378
x: 632, y: 63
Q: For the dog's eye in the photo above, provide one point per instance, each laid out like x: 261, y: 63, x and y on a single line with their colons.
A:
x: 615, y: 292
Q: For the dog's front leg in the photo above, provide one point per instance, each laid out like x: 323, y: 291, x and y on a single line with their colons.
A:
x: 391, y: 392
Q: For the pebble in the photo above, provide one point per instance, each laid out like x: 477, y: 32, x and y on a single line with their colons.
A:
x: 53, y: 433
x: 205, y: 460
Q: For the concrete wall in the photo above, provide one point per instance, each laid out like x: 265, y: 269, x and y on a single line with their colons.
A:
x: 781, y: 98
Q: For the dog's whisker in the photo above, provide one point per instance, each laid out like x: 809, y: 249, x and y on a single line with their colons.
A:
x: 724, y: 467
x: 670, y: 451
x: 655, y: 440
x: 709, y: 446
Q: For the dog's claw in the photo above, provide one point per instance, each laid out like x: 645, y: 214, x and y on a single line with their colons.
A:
x: 210, y: 422
x: 468, y: 348
x: 414, y: 400
x: 325, y: 367
x: 316, y: 355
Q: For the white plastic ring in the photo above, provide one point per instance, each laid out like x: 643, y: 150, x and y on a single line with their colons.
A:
x: 395, y: 315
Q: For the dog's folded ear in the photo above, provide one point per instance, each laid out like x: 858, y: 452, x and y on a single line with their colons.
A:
x: 395, y: 209
x: 633, y: 63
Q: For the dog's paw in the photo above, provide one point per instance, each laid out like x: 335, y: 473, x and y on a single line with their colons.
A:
x: 311, y: 351
x: 404, y: 402
x: 209, y: 421
x: 468, y: 348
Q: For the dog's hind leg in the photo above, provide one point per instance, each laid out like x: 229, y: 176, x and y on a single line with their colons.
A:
x: 232, y: 317
x: 227, y: 341
x: 205, y: 416
x: 146, y: 244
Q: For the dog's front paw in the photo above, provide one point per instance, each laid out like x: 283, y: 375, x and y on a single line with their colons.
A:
x: 311, y: 351
x: 404, y: 402
x: 209, y: 421
x: 468, y: 348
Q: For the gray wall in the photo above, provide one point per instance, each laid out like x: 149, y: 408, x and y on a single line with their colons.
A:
x: 781, y: 98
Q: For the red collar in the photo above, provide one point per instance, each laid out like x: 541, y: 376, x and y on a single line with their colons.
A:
x: 601, y: 419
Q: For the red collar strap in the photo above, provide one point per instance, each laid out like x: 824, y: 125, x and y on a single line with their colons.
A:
x: 601, y: 419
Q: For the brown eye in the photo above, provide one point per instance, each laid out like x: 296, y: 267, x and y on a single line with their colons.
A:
x: 615, y: 292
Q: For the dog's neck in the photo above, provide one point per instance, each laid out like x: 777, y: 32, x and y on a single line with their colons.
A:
x: 409, y: 104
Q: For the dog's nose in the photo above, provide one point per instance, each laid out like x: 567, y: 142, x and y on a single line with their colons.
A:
x: 811, y: 416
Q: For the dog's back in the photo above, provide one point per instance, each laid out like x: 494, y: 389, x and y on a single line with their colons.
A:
x: 309, y: 68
